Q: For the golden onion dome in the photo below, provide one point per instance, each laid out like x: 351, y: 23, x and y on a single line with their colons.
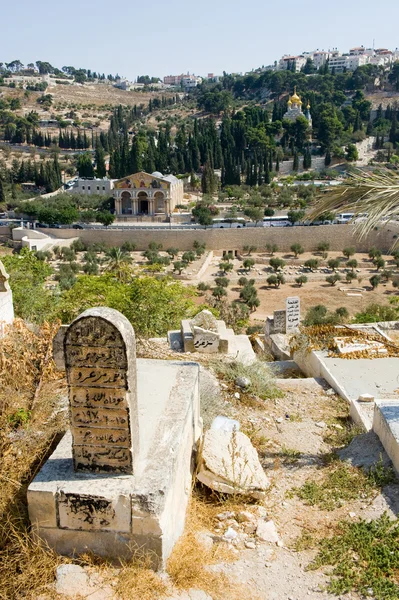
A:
x: 295, y: 99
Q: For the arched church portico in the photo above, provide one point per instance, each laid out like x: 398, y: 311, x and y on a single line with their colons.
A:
x: 147, y: 195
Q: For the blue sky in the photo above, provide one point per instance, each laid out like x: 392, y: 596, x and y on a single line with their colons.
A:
x: 160, y: 38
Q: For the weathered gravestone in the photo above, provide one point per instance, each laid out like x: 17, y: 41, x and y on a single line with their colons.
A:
x: 293, y: 310
x: 100, y: 361
x: 279, y: 318
x: 120, y: 480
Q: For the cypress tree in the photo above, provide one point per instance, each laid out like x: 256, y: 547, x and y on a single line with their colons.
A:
x: 267, y: 171
x: 277, y: 163
x: 2, y: 194
x: 296, y: 162
x: 100, y: 161
x: 327, y: 160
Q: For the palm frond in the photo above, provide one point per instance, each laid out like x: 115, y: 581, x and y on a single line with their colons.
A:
x: 375, y: 194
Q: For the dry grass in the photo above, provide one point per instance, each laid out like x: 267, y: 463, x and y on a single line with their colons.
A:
x: 29, y: 425
x: 27, y: 569
x: 138, y: 580
x: 193, y: 565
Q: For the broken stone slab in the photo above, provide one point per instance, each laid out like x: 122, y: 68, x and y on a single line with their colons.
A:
x: 205, y: 320
x: 230, y: 464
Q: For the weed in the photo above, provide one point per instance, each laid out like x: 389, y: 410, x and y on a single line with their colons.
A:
x: 296, y: 418
x: 339, y: 438
x: 261, y: 377
x: 379, y: 475
x: 19, y: 418
x: 342, y: 483
x: 258, y: 439
x: 304, y: 542
x: 290, y: 455
x: 365, y: 558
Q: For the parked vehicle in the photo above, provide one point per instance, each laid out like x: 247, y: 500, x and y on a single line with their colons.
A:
x: 229, y: 223
x: 344, y: 218
x: 279, y: 221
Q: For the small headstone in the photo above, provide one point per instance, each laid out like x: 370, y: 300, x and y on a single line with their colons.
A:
x: 269, y: 326
x: 205, y: 341
x: 100, y: 361
x: 279, y: 321
x: 293, y: 313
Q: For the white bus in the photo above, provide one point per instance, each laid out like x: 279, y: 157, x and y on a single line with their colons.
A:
x: 280, y: 221
x: 225, y: 223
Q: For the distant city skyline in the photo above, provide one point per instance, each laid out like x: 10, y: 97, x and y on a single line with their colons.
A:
x: 213, y: 37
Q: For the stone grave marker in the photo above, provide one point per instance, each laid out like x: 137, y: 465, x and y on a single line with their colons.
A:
x: 206, y: 341
x: 293, y: 313
x: 100, y: 362
x: 279, y: 321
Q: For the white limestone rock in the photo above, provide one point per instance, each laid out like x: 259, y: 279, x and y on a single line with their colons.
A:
x: 267, y: 532
x: 73, y: 581
x: 230, y: 464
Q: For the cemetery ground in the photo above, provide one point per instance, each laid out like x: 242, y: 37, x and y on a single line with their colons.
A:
x: 316, y: 290
x: 297, y: 427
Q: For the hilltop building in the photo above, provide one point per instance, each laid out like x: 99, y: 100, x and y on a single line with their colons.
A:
x: 143, y: 194
x: 186, y: 81
x: 295, y: 109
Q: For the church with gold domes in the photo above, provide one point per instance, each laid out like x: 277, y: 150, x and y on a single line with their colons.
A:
x: 295, y: 109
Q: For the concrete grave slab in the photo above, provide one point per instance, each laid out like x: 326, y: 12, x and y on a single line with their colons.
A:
x: 386, y: 426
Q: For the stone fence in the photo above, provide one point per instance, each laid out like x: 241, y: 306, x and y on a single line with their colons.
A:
x: 338, y: 236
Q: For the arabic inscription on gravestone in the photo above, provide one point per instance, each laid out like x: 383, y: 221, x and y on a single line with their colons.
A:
x: 100, y: 363
x: 293, y: 309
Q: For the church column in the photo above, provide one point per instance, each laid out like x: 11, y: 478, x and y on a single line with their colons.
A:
x: 118, y: 209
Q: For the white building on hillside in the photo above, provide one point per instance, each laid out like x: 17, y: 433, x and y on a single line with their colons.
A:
x: 291, y: 63
x: 92, y: 185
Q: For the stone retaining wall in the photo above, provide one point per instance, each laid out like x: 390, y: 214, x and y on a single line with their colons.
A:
x: 338, y: 236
